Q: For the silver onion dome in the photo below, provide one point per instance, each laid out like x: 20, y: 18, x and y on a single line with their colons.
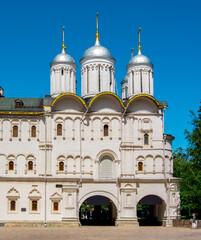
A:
x: 125, y: 80
x: 97, y: 51
x: 140, y: 59
x: 63, y: 57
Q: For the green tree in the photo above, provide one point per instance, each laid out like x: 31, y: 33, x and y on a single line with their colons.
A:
x: 187, y: 165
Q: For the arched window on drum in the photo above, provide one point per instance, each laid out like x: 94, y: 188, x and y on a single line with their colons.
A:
x: 106, y: 167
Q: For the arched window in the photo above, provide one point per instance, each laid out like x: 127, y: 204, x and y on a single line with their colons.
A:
x: 146, y: 139
x: 55, y: 206
x: 61, y: 166
x: 11, y: 165
x: 12, y: 205
x: 30, y: 166
x: 15, y: 131
x: 106, y: 130
x: 106, y: 170
x: 59, y: 129
x: 34, y: 205
x: 33, y: 131
x: 140, y: 166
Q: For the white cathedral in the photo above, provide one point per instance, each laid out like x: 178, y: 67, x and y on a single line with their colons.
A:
x: 62, y: 151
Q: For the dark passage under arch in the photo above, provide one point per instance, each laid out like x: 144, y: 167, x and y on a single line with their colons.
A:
x: 97, y: 210
x: 150, y: 211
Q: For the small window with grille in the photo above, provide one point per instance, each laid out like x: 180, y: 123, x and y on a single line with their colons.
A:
x: 55, y: 206
x: 106, y: 130
x: 146, y: 139
x: 12, y: 205
x: 61, y: 166
x: 140, y: 166
x: 15, y: 131
x: 11, y: 166
x: 30, y: 166
x: 33, y: 131
x: 34, y: 205
x: 59, y: 129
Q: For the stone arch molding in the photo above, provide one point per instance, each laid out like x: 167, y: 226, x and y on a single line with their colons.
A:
x: 101, y: 193
x: 106, y: 152
x: 148, y: 193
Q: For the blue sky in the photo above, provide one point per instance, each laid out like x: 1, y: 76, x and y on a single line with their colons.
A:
x: 31, y: 36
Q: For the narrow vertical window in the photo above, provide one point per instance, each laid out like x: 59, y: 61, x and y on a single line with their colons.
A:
x: 146, y: 139
x: 133, y: 82
x: 149, y: 82
x: 141, y: 81
x: 110, y: 76
x: 62, y: 72
x: 87, y: 79
x: 12, y: 205
x: 30, y: 166
x: 11, y: 165
x: 34, y: 206
x: 33, y: 131
x: 106, y: 130
x: 59, y: 129
x: 99, y: 82
x: 61, y: 166
x: 55, y: 206
x: 140, y: 166
x: 15, y: 131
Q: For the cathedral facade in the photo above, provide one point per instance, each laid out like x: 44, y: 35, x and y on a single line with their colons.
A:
x: 62, y: 151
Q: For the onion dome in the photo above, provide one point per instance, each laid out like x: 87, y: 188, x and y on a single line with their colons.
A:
x: 63, y: 57
x: 140, y: 59
x: 125, y: 80
x: 97, y: 51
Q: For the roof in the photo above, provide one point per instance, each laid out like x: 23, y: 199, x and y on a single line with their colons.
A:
x: 161, y: 103
x: 29, y: 104
x: 35, y: 105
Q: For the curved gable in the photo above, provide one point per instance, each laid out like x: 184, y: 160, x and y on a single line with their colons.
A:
x: 143, y: 104
x: 68, y: 102
x: 106, y: 102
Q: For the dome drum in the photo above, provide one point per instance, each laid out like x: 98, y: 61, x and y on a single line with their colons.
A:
x: 97, y: 77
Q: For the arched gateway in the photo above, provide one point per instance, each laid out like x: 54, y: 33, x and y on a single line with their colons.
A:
x: 97, y: 210
x: 150, y: 211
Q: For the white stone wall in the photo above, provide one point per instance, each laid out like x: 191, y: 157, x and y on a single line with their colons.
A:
x: 81, y: 147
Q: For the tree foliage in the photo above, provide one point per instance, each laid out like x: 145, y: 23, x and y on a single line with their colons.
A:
x: 187, y: 165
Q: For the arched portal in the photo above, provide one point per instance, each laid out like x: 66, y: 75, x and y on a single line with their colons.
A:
x: 150, y: 211
x: 98, y: 210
